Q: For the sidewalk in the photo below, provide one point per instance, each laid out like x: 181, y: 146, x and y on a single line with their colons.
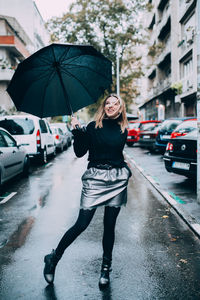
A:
x: 189, y: 212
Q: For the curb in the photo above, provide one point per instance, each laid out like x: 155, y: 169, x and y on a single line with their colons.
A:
x: 188, y: 219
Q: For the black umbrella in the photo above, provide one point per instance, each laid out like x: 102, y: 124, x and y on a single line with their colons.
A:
x: 59, y: 80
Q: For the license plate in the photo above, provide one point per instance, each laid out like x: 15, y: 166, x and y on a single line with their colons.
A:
x: 130, y: 137
x: 180, y: 165
x: 167, y: 137
x: 146, y: 136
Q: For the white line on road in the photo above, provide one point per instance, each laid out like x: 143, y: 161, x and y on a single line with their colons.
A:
x: 8, y: 198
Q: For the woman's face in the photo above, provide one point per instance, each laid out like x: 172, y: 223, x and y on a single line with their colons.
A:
x: 112, y: 107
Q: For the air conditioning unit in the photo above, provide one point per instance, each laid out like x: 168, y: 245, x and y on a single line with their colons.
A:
x: 189, y: 84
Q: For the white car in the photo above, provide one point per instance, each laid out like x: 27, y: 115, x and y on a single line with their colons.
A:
x: 66, y: 132
x: 31, y: 132
x: 13, y: 157
x: 59, y: 137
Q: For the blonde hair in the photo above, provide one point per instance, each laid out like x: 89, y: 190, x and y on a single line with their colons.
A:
x: 100, y: 115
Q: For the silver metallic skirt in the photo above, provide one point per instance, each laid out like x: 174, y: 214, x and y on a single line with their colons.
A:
x: 104, y: 187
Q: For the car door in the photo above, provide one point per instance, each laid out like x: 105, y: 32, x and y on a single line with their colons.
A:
x: 12, y: 157
x: 47, y: 138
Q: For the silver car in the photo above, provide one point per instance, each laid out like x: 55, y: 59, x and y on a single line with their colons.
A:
x: 13, y: 157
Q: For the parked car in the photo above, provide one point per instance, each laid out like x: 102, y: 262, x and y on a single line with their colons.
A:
x: 31, y: 132
x: 134, y: 128
x: 181, y: 154
x: 184, y: 128
x: 14, y: 159
x: 59, y: 137
x: 164, y: 133
x: 66, y: 132
x: 148, y: 136
x: 133, y: 132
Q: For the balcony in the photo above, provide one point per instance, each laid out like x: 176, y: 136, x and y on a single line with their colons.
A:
x: 6, y: 74
x: 164, y: 53
x: 164, y: 85
x: 185, y: 9
x: 160, y: 87
x: 165, y: 19
x: 14, y: 45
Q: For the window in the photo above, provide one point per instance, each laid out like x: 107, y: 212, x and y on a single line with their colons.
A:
x: 2, y: 141
x: 43, y: 126
x: 10, y: 142
x: 18, y: 126
x: 186, y: 67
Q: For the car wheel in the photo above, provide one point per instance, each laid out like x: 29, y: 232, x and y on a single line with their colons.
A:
x: 26, y: 166
x: 43, y: 156
x: 61, y: 148
x: 54, y: 151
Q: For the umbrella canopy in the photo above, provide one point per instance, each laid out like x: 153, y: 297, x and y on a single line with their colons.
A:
x: 60, y: 79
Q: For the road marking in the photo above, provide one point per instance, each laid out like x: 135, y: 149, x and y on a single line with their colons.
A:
x: 7, y: 198
x: 196, y: 227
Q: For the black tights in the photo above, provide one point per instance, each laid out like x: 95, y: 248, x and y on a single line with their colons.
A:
x: 84, y: 219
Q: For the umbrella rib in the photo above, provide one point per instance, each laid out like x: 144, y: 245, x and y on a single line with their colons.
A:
x: 68, y: 73
x: 66, y: 52
x: 51, y: 75
x: 85, y: 67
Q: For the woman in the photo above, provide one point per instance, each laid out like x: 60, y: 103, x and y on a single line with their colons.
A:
x: 104, y: 182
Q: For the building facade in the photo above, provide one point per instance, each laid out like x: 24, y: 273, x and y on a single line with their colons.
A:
x: 171, y: 63
x: 22, y: 32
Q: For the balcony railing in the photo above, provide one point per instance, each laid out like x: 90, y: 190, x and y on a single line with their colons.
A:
x: 160, y: 87
x: 184, y: 7
x: 164, y: 19
x: 12, y: 43
x: 166, y: 50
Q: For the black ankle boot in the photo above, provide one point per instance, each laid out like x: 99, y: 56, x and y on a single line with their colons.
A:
x: 51, y: 261
x: 105, y: 270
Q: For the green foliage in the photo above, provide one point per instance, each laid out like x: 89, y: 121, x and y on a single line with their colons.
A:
x: 104, y: 24
x: 177, y: 87
x: 155, y: 49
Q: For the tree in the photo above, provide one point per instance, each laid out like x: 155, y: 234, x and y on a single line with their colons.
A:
x: 104, y: 24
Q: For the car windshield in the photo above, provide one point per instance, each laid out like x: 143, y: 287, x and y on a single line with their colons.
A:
x: 186, y: 126
x: 148, y: 126
x: 133, y: 125
x: 17, y: 126
x: 170, y: 125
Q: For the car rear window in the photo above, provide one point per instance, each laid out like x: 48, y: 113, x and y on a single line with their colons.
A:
x: 133, y: 125
x: 148, y: 126
x: 170, y: 125
x: 18, y: 126
x: 43, y: 126
x: 187, y: 126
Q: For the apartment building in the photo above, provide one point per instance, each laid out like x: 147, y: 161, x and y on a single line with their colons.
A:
x: 171, y: 66
x: 22, y: 32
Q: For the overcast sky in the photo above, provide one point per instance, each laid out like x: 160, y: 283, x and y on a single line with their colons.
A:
x: 51, y: 8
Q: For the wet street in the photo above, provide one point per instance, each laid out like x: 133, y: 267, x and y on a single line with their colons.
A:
x: 156, y: 256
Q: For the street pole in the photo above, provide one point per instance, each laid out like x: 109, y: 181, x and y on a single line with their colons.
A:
x: 118, y: 85
x: 198, y: 101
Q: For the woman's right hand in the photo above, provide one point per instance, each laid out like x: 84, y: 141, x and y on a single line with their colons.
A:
x: 75, y: 123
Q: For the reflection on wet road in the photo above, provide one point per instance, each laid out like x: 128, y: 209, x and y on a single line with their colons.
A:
x: 156, y: 256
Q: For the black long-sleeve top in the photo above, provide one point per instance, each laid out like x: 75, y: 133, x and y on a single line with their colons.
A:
x: 105, y: 145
